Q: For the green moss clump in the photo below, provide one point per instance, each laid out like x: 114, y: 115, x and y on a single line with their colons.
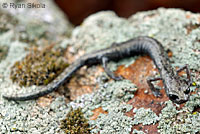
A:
x: 39, y: 67
x: 75, y: 123
x: 3, y: 52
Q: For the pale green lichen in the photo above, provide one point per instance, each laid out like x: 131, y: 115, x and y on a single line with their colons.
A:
x: 178, y: 121
x: 193, y: 103
x: 108, y: 93
x: 111, y: 97
x: 172, y: 36
x: 167, y: 117
x: 191, y: 123
x: 103, y: 29
x: 169, y: 26
x: 33, y: 32
x: 115, y: 122
x: 15, y: 52
x: 137, y: 132
x: 144, y: 116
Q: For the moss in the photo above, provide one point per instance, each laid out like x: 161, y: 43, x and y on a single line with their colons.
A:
x: 75, y: 123
x: 3, y: 52
x: 39, y: 67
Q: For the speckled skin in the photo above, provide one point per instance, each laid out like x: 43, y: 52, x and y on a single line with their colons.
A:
x: 176, y: 89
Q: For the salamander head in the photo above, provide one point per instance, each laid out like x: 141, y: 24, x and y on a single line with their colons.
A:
x: 180, y: 92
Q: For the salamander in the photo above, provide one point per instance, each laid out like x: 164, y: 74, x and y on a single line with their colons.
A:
x: 177, y: 89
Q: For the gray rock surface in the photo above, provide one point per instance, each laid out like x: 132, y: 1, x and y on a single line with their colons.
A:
x: 169, y: 26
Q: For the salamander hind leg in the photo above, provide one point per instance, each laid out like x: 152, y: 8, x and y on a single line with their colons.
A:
x: 155, y: 91
x: 108, y: 71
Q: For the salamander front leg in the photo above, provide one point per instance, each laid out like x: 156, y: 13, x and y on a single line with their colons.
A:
x: 187, y: 71
x: 108, y: 71
x: 155, y: 91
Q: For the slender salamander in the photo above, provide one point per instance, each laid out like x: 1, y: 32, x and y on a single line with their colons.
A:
x: 176, y: 88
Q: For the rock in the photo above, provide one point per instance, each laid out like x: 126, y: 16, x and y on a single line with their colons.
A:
x: 178, y: 31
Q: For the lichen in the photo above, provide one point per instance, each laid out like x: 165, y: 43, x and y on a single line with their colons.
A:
x: 115, y: 122
x: 188, y: 123
x: 137, y: 132
x: 111, y: 97
x: 100, y: 31
x: 107, y: 94
x: 177, y: 30
x: 145, y: 116
x: 178, y: 121
x: 39, y: 67
x: 34, y: 31
x: 167, y: 118
x: 193, y: 102
x: 75, y: 123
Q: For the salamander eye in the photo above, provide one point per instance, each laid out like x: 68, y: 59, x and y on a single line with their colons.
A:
x: 173, y: 97
x: 187, y: 91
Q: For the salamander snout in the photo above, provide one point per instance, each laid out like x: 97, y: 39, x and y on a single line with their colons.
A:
x: 179, y: 91
x: 180, y: 96
x: 177, y: 99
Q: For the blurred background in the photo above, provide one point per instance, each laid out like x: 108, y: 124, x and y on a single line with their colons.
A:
x: 77, y: 10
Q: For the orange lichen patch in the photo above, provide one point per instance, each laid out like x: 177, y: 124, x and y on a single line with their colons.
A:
x: 138, y: 72
x: 84, y: 81
x: 78, y: 90
x: 96, y: 112
x: 170, y: 54
x: 188, y: 16
x: 149, y: 129
x: 44, y: 101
